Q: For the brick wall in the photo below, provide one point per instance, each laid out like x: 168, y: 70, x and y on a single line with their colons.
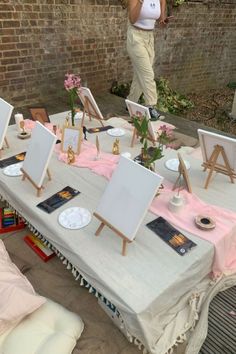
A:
x: 40, y: 40
x: 198, y: 50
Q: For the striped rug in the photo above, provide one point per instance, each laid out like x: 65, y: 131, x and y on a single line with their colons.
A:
x: 221, y: 337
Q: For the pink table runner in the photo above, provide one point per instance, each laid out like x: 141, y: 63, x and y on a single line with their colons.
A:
x: 223, y: 236
x: 30, y: 124
x: 104, y: 165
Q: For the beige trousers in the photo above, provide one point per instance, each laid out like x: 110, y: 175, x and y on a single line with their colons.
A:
x: 140, y: 47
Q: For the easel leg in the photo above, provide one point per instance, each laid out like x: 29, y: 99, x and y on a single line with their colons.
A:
x: 124, y: 248
x: 49, y: 175
x: 212, y: 163
x: 39, y: 190
x: 227, y: 165
x: 209, y: 178
x: 176, y: 183
x: 87, y: 108
x: 6, y: 142
x: 99, y: 229
x: 133, y: 137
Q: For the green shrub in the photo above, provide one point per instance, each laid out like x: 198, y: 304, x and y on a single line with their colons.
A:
x: 168, y: 100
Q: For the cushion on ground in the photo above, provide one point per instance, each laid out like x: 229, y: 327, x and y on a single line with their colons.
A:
x: 17, y: 296
x: 51, y: 329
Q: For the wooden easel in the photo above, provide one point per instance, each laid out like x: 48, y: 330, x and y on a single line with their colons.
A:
x: 91, y: 111
x: 212, y: 165
x: 125, y: 240
x: 39, y: 189
x: 182, y: 173
x: 7, y: 145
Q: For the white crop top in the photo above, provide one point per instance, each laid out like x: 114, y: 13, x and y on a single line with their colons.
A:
x: 150, y: 12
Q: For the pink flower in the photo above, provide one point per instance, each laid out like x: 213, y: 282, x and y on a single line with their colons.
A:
x: 72, y: 84
x: 166, y: 130
x: 72, y: 81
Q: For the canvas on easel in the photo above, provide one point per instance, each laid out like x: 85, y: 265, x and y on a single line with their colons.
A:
x: 183, y: 175
x: 137, y: 110
x: 5, y: 115
x: 38, y: 154
x: 219, y: 154
x: 90, y: 105
x: 125, y: 201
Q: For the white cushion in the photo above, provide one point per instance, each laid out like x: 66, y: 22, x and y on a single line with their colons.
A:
x: 51, y: 329
x: 17, y: 296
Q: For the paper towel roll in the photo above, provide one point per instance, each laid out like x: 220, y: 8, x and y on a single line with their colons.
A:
x: 18, y: 118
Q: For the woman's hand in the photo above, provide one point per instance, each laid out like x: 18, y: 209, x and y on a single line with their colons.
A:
x: 165, y: 20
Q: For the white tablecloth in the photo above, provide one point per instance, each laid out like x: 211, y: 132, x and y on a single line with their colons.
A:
x: 157, y: 292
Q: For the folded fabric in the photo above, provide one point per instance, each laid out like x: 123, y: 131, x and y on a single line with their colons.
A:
x: 223, y: 236
x: 30, y: 124
x: 17, y: 296
x: 103, y: 165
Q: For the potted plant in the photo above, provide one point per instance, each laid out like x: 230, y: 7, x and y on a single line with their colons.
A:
x: 149, y: 154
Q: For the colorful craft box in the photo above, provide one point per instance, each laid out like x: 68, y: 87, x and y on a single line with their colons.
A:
x: 39, y: 248
x: 9, y: 221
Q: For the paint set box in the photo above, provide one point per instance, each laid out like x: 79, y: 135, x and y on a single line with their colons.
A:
x: 9, y: 221
x: 39, y: 248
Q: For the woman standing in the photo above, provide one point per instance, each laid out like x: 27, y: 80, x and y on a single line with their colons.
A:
x: 140, y: 46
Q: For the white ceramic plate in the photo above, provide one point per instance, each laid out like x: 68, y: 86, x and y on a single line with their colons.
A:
x: 74, y: 218
x: 173, y: 164
x: 13, y: 170
x: 116, y: 132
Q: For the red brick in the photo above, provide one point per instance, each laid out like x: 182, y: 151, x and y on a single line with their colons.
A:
x: 41, y: 40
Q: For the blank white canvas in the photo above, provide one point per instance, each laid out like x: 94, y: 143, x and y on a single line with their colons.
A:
x: 5, y: 115
x: 94, y: 110
x: 137, y: 109
x: 209, y: 140
x: 127, y: 196
x: 39, y: 153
